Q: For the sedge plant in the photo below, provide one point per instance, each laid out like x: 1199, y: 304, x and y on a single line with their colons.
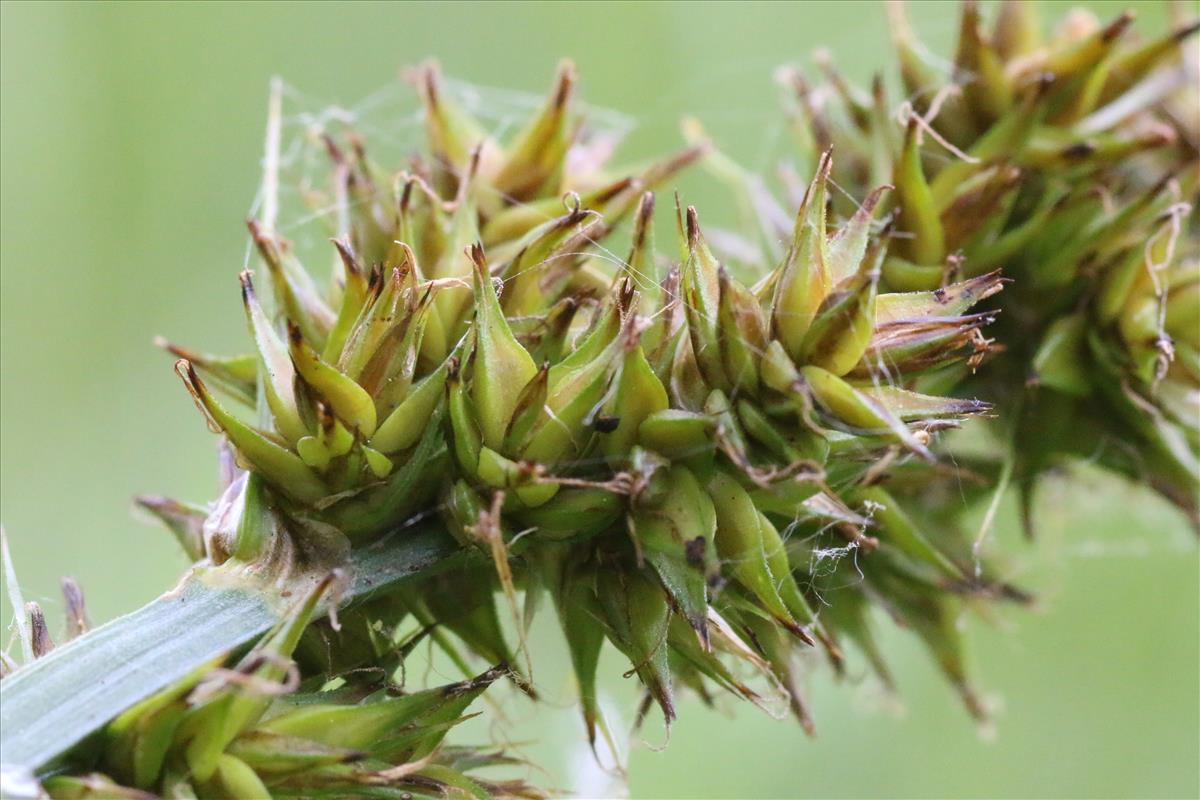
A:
x: 479, y: 416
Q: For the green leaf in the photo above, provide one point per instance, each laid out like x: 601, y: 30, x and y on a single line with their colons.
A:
x: 54, y: 703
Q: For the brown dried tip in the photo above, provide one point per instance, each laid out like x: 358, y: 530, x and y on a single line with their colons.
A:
x: 974, y: 704
x: 797, y: 631
x: 331, y: 147
x: 256, y: 230
x: 836, y: 657
x: 612, y: 190
x: 247, y: 283
x: 76, y: 611
x: 406, y: 194
x: 800, y: 710
x: 358, y: 146
x: 868, y: 206
x: 195, y: 387
x: 970, y: 12
x: 693, y: 226
x: 795, y: 78
x: 566, y: 82
x: 187, y: 373
x: 408, y: 260
x: 723, y: 279
x: 39, y: 634
x: 346, y: 251
x: 642, y: 218
x: 824, y: 61
x: 475, y: 253
x: 878, y: 91
x: 176, y: 350
x: 1118, y: 26
x: 1186, y: 31
x: 266, y: 244
x: 429, y: 80
x: 464, y: 185
x: 658, y: 173
x: 626, y: 293
x: 825, y: 165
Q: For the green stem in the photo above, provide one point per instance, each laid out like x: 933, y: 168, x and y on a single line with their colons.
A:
x: 51, y: 705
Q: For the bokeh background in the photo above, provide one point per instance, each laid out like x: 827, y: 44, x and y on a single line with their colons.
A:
x: 131, y: 136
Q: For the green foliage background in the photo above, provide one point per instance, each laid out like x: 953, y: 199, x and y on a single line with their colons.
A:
x: 131, y: 135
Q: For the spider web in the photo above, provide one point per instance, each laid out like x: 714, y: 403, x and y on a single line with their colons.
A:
x: 296, y: 195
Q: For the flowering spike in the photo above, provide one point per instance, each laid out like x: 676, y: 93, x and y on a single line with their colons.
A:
x: 279, y: 377
x: 280, y: 466
x: 739, y: 541
x: 638, y: 394
x: 988, y: 91
x: 803, y: 278
x: 849, y: 245
x: 922, y: 240
x: 354, y: 295
x: 352, y: 404
x: 856, y: 409
x: 502, y: 367
x: 452, y: 133
x: 637, y: 614
x: 676, y: 535
x: 403, y: 427
x: 700, y: 291
x: 640, y: 265
x: 845, y: 322
x: 1017, y: 31
x: 534, y: 157
x: 294, y: 291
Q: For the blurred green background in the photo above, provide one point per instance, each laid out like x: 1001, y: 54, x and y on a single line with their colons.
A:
x: 131, y: 135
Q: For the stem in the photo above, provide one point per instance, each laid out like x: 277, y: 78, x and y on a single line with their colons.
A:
x: 270, y: 185
x: 54, y: 703
x: 15, y: 599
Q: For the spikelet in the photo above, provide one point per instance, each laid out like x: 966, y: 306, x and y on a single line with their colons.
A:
x: 670, y: 431
x: 1071, y: 165
x: 656, y: 435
